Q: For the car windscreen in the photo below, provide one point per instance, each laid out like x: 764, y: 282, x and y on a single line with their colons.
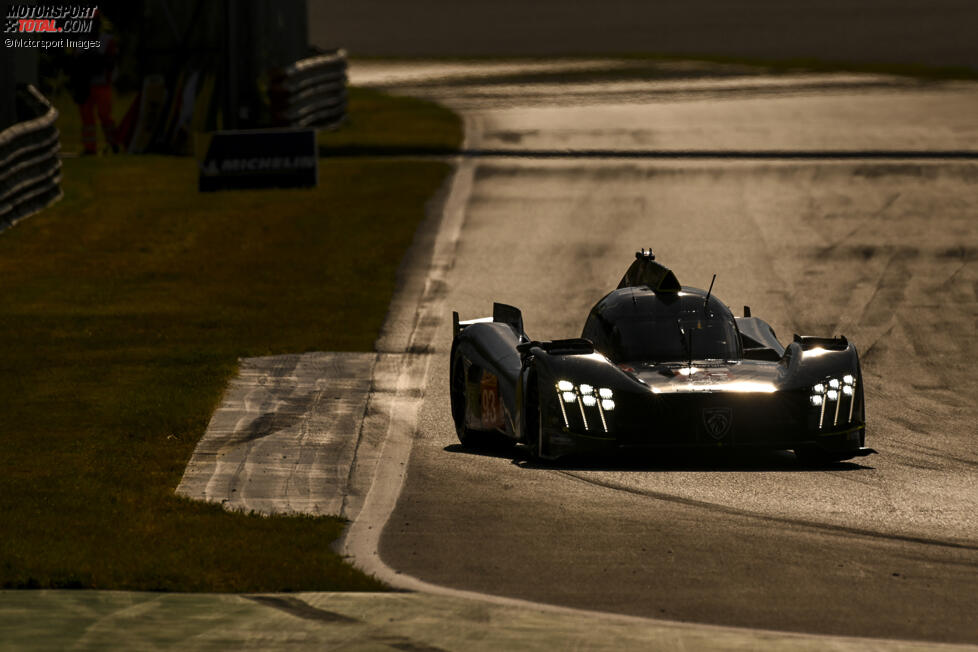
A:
x: 672, y: 339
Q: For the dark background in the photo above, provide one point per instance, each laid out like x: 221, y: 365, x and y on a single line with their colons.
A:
x: 238, y: 41
x: 935, y: 32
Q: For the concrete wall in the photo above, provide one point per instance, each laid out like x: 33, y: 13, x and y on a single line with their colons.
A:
x: 934, y: 32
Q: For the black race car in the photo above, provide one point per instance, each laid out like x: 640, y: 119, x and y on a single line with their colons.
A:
x: 657, y: 365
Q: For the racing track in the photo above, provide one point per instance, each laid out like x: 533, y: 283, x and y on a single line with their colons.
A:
x: 881, y: 250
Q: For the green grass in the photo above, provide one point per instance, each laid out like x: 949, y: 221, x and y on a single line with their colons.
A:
x: 123, y: 311
x: 377, y: 125
x: 376, y: 122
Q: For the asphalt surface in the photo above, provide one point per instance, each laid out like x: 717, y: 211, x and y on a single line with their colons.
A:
x: 881, y: 250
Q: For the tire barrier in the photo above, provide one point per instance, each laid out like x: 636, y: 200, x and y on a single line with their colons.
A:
x: 30, y: 169
x: 310, y: 92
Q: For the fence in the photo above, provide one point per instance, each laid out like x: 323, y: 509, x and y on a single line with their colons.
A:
x: 30, y: 169
x: 310, y: 92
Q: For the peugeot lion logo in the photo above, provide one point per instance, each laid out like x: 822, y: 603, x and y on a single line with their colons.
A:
x: 717, y: 421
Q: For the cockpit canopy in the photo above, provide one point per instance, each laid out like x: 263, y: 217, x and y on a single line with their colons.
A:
x: 638, y: 324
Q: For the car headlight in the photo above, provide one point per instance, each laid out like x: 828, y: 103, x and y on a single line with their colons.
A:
x: 829, y: 389
x: 589, y: 394
x: 830, y: 397
x: 591, y: 402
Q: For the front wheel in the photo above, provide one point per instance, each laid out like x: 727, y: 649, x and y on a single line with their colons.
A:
x: 469, y: 437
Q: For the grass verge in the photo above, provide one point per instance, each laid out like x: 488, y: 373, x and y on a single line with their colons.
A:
x: 124, y: 309
x: 377, y: 124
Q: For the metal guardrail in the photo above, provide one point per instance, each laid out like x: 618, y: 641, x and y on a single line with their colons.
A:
x: 310, y: 92
x: 30, y: 168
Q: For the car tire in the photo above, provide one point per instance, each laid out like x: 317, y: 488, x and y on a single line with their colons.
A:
x: 468, y: 437
x: 459, y: 397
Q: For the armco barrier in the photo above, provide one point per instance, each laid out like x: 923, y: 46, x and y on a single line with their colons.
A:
x: 30, y: 169
x: 310, y: 92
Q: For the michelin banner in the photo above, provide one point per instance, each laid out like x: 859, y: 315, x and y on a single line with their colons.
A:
x: 266, y: 158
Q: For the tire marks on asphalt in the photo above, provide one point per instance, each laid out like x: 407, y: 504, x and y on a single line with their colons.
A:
x: 795, y: 522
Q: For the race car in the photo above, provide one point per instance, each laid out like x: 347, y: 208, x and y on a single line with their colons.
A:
x: 658, y: 365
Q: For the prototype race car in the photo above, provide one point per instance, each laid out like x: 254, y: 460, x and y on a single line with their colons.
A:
x: 658, y: 365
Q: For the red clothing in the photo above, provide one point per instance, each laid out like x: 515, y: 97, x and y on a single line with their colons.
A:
x: 100, y: 98
x: 99, y: 79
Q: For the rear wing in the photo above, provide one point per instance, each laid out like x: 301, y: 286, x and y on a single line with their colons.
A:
x: 501, y: 314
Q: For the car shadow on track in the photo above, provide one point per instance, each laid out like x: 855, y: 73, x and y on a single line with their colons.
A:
x: 708, y: 461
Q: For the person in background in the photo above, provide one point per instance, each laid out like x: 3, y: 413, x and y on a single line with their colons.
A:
x: 90, y: 79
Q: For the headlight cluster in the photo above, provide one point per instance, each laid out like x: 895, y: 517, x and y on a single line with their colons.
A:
x: 589, y: 395
x: 831, y: 393
x: 598, y: 399
x: 829, y: 390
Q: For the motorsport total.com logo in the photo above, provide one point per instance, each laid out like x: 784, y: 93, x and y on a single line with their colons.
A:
x: 50, y: 19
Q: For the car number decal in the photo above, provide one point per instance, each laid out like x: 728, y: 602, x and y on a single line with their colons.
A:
x: 492, y: 408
